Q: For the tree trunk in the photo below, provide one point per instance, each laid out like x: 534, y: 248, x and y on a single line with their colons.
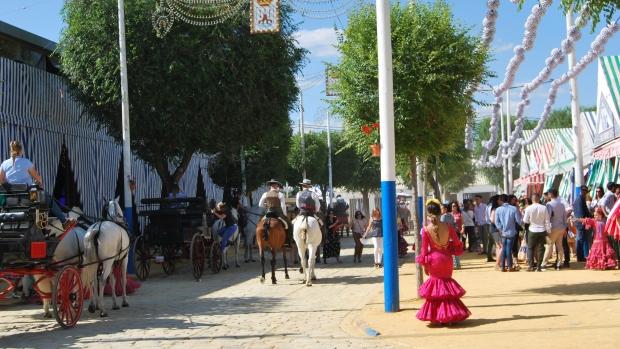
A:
x: 168, y: 179
x: 366, y: 202
x: 435, y: 179
x: 416, y: 225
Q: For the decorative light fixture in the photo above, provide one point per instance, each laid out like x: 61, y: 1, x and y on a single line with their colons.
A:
x: 194, y: 12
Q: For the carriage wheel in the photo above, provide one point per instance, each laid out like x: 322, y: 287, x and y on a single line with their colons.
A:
x: 169, y: 255
x: 68, y: 297
x: 142, y: 260
x: 216, y: 257
x: 197, y: 255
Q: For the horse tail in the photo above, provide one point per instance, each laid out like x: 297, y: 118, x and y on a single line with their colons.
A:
x: 304, y: 229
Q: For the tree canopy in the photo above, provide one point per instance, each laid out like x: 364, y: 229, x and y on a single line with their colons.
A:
x: 434, y: 61
x: 197, y: 89
x: 596, y: 9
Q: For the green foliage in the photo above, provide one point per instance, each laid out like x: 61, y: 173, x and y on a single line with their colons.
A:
x: 350, y: 170
x: 194, y: 90
x: 434, y: 61
x: 596, y: 9
x: 562, y: 118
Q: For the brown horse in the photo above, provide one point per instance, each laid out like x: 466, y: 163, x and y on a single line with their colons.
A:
x: 271, y: 234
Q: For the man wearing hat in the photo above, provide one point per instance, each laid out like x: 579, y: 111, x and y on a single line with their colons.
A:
x: 584, y: 236
x: 307, y: 200
x: 275, y: 206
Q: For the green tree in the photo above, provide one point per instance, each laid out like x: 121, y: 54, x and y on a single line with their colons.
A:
x: 596, y: 9
x: 434, y: 59
x: 194, y: 90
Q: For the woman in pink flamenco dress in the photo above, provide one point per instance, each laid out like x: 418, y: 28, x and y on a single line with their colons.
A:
x: 442, y: 293
x: 601, y: 254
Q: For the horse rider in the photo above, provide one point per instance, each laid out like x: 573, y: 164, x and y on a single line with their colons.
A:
x: 274, y: 203
x: 223, y: 212
x: 19, y: 170
x: 308, y: 201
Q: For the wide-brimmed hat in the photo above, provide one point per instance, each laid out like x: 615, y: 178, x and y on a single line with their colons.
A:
x: 306, y: 183
x: 273, y: 181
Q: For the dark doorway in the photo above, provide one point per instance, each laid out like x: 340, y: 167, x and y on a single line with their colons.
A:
x: 65, y: 188
x: 200, y: 185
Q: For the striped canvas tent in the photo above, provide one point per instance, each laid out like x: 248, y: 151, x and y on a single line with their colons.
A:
x: 538, y: 156
x: 36, y: 109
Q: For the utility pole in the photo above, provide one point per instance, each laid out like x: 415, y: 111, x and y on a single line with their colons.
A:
x: 504, y: 167
x: 388, y: 159
x: 575, y: 115
x: 330, y: 189
x: 508, y: 132
x: 125, y: 114
x: 301, y: 133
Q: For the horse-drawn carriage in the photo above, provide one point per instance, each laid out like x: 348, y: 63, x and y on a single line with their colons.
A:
x: 176, y: 228
x: 27, y: 249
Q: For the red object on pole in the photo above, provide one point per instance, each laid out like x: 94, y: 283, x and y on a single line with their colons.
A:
x: 376, y: 149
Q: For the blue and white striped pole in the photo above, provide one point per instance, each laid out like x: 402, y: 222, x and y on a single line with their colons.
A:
x: 388, y: 162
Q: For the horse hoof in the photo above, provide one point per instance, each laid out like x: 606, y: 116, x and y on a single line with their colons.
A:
x: 47, y: 315
x: 237, y: 265
x: 262, y: 280
x: 125, y: 304
x: 116, y: 307
x: 301, y: 270
x: 103, y: 314
x: 308, y: 284
x: 287, y: 277
x: 225, y: 267
x: 313, y: 278
x: 273, y: 282
x: 91, y: 308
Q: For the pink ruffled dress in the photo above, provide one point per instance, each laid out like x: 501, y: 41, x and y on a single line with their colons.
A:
x: 442, y: 293
x: 601, y: 254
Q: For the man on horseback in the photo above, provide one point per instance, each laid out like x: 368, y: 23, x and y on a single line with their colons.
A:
x: 307, y: 200
x: 274, y: 204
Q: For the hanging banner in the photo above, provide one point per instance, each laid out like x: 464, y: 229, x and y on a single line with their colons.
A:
x: 264, y: 16
x: 330, y: 80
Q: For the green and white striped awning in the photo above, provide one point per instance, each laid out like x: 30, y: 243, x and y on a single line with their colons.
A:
x: 603, y: 172
x: 611, y: 70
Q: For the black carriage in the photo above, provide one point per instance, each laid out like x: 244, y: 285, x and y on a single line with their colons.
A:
x: 173, y: 229
x: 27, y: 248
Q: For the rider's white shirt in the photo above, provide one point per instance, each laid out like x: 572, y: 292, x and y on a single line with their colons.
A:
x: 317, y: 203
x: 261, y: 202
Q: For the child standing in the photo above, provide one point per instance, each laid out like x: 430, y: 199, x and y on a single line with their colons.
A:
x: 601, y: 255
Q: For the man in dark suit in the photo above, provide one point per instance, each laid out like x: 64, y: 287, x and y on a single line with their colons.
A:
x: 584, y: 236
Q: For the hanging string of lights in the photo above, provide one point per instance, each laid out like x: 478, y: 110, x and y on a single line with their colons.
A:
x: 488, y: 33
x: 529, y: 35
x: 323, y: 9
x: 195, y: 12
x: 597, y: 48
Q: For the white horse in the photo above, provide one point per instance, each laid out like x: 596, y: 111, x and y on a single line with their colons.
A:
x: 234, y: 240
x: 307, y: 235
x: 107, y: 243
x: 67, y: 252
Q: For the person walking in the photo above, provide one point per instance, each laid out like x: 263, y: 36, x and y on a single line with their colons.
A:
x: 448, y: 218
x: 480, y: 220
x: 584, y: 236
x: 359, y: 227
x: 492, y: 239
x: 441, y: 292
x: 375, y: 231
x: 507, y: 218
x: 537, y: 217
x: 469, y: 228
x: 557, y: 214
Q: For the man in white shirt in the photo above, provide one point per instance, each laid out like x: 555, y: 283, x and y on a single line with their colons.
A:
x: 274, y: 203
x: 609, y: 199
x: 537, y: 216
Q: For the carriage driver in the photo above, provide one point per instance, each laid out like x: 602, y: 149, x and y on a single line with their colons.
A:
x: 308, y: 201
x: 19, y: 170
x: 274, y: 204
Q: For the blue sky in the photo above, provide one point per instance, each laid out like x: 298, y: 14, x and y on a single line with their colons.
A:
x: 42, y: 17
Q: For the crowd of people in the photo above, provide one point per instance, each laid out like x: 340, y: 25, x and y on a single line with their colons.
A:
x: 541, y: 230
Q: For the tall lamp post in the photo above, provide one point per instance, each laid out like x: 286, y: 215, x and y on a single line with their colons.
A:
x: 125, y: 113
x: 574, y: 104
x: 388, y: 162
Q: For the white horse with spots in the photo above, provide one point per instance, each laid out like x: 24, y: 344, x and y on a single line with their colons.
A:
x: 307, y: 235
x: 107, y: 243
